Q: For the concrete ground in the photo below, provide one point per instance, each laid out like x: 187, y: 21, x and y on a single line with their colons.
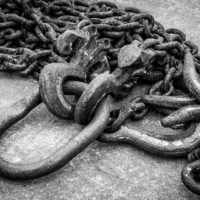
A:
x: 102, y: 171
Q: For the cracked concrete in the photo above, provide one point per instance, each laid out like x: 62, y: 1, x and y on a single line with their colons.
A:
x: 102, y: 171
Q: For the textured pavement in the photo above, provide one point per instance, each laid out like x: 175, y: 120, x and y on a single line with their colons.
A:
x: 102, y: 171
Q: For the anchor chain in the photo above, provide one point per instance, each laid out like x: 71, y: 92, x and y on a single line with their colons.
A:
x: 98, y: 52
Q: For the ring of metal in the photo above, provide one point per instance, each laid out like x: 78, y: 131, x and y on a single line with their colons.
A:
x: 51, y: 82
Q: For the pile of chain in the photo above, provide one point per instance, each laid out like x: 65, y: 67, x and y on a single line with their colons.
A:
x: 114, y: 49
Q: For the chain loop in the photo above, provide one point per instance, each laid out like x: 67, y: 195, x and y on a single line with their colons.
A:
x: 111, y: 50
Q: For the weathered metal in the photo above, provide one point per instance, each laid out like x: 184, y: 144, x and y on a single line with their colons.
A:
x: 96, y: 52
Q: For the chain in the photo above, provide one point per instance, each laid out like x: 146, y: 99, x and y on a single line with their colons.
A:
x: 94, y: 51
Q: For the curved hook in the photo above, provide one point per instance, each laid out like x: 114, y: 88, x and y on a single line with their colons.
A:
x: 51, y: 82
x: 188, y: 176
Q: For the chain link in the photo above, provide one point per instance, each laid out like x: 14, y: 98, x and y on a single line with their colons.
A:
x: 109, y: 50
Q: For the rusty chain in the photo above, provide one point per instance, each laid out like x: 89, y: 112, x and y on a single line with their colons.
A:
x: 97, y: 51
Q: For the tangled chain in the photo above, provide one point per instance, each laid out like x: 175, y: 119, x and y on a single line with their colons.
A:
x: 31, y: 37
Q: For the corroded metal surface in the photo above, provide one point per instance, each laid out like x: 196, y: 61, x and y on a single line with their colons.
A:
x: 101, y: 171
x: 105, y: 174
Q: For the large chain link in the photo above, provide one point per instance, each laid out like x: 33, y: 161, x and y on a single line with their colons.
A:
x: 93, y: 51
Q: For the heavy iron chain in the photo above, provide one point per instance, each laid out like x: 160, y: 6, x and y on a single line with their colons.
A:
x: 93, y: 51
